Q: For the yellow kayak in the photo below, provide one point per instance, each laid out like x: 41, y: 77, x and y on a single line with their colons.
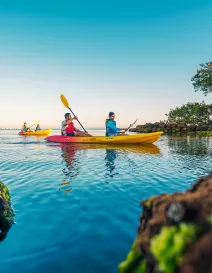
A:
x: 129, y: 139
x: 37, y: 133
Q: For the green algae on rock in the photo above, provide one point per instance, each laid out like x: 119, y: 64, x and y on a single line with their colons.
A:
x: 6, y: 212
x: 175, y: 233
x: 133, y: 258
x: 148, y: 203
x: 169, y: 246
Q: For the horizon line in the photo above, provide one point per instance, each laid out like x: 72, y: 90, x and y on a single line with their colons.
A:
x: 91, y: 128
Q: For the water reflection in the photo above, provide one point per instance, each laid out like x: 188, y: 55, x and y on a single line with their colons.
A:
x: 190, y: 145
x: 71, y: 168
x: 110, y: 157
x: 73, y: 154
x: 189, y: 153
x: 140, y: 149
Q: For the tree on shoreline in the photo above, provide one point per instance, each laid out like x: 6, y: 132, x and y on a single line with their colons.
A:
x: 202, y: 80
x: 192, y: 113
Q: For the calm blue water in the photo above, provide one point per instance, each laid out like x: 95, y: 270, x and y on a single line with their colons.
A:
x: 77, y: 207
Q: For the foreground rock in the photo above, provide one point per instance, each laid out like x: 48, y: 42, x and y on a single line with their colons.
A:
x: 6, y: 212
x: 175, y: 233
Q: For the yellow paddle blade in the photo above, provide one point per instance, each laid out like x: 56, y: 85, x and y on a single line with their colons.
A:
x: 64, y: 101
x: 37, y: 122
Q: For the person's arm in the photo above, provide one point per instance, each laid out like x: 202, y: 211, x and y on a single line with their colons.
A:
x: 76, y: 130
x: 113, y: 126
x: 70, y: 120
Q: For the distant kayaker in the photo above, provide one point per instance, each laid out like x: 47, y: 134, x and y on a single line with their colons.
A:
x: 37, y: 128
x: 111, y: 129
x: 68, y: 128
x: 24, y: 127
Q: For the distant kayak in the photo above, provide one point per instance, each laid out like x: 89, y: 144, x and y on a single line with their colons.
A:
x: 129, y: 139
x: 37, y: 133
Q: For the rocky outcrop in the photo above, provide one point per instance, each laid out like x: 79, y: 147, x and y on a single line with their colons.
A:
x: 175, y: 233
x: 171, y: 128
x: 6, y: 212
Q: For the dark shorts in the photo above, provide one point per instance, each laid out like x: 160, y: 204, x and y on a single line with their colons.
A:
x: 72, y: 134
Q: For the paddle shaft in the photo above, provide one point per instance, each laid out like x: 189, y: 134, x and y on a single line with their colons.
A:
x: 32, y: 125
x: 130, y: 126
x: 77, y: 120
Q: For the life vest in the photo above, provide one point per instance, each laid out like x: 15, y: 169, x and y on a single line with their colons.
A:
x: 106, y: 122
x: 24, y: 128
x: 70, y: 128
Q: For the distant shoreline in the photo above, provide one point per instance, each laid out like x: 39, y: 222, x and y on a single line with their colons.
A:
x: 13, y: 129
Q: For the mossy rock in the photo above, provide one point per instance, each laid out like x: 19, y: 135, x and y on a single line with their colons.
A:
x: 6, y: 212
x: 175, y: 233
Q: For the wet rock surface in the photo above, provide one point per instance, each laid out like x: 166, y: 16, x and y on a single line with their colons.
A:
x: 6, y: 212
x: 175, y: 233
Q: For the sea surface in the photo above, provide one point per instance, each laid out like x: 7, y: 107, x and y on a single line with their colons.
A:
x: 77, y: 206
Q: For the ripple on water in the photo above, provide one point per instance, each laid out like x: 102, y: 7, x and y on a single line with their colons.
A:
x: 77, y: 206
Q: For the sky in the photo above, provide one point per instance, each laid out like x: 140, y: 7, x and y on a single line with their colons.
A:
x: 135, y: 58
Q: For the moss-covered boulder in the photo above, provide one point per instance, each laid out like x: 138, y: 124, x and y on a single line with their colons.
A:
x: 6, y: 212
x: 175, y: 233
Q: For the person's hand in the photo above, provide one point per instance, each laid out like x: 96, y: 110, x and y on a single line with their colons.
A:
x: 75, y: 117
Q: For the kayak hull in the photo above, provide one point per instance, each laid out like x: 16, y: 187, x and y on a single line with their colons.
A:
x: 129, y: 139
x: 37, y: 133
